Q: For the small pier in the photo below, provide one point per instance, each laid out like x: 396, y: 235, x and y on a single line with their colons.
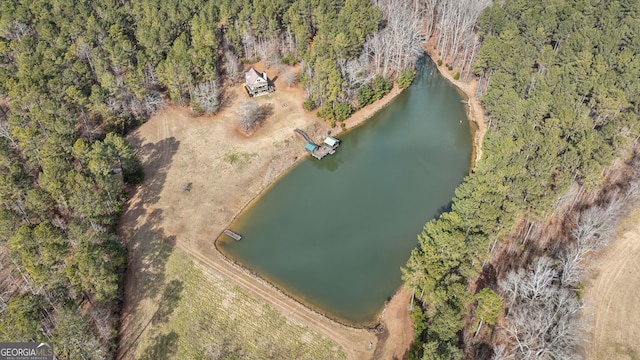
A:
x: 329, y: 145
x: 231, y: 234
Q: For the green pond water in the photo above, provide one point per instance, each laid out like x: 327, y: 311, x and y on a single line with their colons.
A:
x: 334, y: 232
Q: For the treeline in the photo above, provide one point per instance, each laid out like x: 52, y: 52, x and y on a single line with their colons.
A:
x: 561, y: 93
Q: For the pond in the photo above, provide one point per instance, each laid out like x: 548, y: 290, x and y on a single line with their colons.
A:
x: 334, y: 233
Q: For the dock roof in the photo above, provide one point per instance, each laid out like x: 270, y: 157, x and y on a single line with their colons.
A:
x: 331, y: 141
x: 310, y: 147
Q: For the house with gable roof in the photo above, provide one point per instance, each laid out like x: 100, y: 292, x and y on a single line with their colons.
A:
x: 257, y: 84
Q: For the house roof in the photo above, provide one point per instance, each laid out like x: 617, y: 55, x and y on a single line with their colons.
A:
x: 252, y: 78
x: 331, y: 141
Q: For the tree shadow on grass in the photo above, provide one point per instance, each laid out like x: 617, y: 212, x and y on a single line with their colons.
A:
x: 149, y: 247
x: 149, y: 252
x: 156, y: 159
x: 168, y: 302
x: 163, y: 346
x: 228, y: 98
x: 170, y: 298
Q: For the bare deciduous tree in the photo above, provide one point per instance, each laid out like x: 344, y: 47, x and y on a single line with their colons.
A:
x: 150, y: 77
x: 355, y: 73
x: 18, y: 31
x: 290, y: 77
x: 454, y: 28
x: 542, y: 320
x: 233, y: 66
x: 206, y: 97
x: 269, y: 51
x: 251, y: 114
x: 399, y: 45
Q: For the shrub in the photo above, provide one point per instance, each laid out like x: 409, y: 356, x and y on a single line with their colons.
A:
x: 309, y: 104
x: 449, y: 67
x: 456, y: 76
x: 342, y: 110
x: 289, y: 59
x: 405, y: 79
x: 365, y: 96
x: 326, y: 113
x: 381, y: 87
x: 439, y: 62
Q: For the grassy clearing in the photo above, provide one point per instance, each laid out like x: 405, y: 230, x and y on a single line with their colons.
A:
x: 628, y: 223
x: 238, y: 158
x: 618, y: 351
x: 209, y: 318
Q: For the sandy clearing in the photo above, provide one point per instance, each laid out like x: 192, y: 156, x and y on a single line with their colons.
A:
x: 397, y: 332
x: 612, y: 306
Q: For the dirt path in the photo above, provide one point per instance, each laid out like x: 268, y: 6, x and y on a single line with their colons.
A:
x: 200, y: 172
x: 397, y: 332
x: 612, y: 305
x: 475, y: 112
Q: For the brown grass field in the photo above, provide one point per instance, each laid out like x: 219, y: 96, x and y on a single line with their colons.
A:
x: 612, y: 304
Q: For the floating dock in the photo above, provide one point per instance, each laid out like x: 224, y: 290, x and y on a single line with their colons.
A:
x: 319, y: 151
x: 234, y: 236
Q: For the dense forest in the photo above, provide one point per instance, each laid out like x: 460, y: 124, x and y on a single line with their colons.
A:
x: 560, y: 82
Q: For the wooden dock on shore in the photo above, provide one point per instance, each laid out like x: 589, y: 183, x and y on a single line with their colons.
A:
x: 323, y: 151
x: 319, y: 151
x: 231, y: 234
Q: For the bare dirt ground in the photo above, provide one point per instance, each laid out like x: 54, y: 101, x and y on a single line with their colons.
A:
x: 475, y: 112
x: 611, y: 297
x: 200, y: 172
x: 397, y: 333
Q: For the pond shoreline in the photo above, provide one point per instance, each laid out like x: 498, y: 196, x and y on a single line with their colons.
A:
x: 359, y: 118
x: 468, y: 89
